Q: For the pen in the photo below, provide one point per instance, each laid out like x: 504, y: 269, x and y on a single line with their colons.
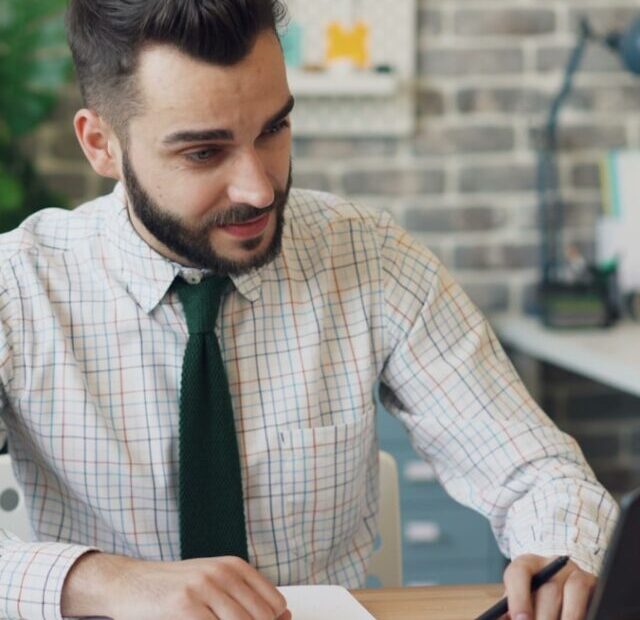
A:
x: 542, y: 576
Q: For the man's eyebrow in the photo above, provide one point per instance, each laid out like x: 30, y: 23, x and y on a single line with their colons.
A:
x: 223, y: 135
x: 202, y: 135
x: 281, y: 114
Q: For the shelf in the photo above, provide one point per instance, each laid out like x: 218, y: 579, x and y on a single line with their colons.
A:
x: 610, y: 356
x: 331, y: 84
x: 341, y: 101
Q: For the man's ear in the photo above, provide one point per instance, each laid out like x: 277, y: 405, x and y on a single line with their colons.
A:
x: 99, y: 143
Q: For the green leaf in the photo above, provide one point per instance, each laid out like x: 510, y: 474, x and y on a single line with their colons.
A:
x: 34, y: 61
x: 48, y: 74
x: 11, y: 194
x: 52, y: 31
x: 34, y: 64
x: 24, y: 114
x: 29, y: 12
x: 6, y: 14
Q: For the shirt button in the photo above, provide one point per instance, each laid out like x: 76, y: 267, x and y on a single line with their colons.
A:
x: 192, y: 276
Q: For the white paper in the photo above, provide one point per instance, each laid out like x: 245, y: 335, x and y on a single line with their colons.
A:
x: 624, y: 197
x: 323, y: 603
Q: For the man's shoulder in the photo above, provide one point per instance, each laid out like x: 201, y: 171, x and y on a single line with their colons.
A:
x: 55, y: 230
x: 323, y: 222
x: 321, y: 211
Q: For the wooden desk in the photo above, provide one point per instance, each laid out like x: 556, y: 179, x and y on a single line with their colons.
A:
x: 429, y: 602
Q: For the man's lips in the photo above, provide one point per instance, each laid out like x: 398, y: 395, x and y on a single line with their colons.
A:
x: 250, y: 228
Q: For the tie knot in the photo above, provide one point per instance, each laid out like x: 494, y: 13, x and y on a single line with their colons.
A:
x: 201, y: 302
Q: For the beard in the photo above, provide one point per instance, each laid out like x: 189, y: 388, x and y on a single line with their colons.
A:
x: 194, y: 244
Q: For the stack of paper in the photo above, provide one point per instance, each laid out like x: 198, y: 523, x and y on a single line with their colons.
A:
x: 323, y: 603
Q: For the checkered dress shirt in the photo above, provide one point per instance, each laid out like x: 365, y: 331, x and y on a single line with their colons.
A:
x: 91, y: 347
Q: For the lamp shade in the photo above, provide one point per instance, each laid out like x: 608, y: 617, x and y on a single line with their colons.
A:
x: 627, y: 45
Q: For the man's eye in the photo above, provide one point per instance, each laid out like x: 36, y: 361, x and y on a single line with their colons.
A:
x: 202, y: 155
x: 278, y: 127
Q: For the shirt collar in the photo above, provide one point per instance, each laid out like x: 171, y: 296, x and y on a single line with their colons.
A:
x: 146, y: 273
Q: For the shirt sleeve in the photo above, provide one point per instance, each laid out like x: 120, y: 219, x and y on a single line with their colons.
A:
x: 467, y: 412
x: 32, y: 574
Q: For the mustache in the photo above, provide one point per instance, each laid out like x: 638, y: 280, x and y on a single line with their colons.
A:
x: 239, y: 214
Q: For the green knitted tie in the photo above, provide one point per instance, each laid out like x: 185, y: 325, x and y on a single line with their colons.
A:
x: 211, y: 506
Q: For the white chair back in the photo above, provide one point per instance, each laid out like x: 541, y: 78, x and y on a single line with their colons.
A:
x: 386, y: 563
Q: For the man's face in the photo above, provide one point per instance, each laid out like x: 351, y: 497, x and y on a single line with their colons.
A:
x: 207, y: 163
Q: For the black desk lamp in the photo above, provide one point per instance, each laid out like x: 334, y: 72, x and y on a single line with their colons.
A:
x: 587, y: 301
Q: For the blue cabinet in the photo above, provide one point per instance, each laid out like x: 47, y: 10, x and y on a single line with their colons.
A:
x: 442, y: 541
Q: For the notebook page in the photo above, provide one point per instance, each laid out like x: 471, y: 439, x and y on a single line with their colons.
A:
x: 322, y: 603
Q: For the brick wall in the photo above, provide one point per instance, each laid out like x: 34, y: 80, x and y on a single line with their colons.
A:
x: 465, y: 185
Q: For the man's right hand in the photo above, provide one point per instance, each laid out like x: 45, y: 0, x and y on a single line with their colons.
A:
x: 121, y: 588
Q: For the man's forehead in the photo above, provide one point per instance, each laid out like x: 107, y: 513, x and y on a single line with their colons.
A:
x: 164, y: 64
x: 158, y: 60
x: 168, y: 79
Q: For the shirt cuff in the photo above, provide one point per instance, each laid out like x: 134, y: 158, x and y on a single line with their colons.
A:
x: 32, y: 577
x: 588, y: 559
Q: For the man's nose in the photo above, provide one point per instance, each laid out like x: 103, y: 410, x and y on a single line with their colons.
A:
x: 249, y: 183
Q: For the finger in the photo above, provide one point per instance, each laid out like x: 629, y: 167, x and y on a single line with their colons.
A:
x: 517, y: 583
x: 203, y: 613
x: 548, y: 601
x: 251, y: 600
x: 578, y: 590
x: 286, y: 616
x: 261, y: 585
x: 225, y: 606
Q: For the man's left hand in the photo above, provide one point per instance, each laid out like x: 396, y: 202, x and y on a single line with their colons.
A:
x: 565, y: 597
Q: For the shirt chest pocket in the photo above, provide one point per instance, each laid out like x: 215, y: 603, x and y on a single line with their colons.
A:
x: 313, y: 491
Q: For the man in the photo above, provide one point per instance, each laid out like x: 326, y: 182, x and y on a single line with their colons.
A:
x: 187, y: 106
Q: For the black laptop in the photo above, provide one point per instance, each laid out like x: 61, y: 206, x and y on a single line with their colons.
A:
x: 617, y: 595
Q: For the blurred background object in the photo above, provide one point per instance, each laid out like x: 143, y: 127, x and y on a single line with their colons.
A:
x: 574, y: 293
x: 34, y: 63
x: 350, y: 44
x: 351, y: 66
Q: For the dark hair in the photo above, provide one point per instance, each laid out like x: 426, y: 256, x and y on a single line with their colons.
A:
x: 106, y: 36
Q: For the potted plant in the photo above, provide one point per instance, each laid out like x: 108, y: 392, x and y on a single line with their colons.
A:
x: 34, y: 64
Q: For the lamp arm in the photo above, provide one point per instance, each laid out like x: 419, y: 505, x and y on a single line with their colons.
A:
x: 575, y: 60
x: 626, y: 45
x: 551, y: 208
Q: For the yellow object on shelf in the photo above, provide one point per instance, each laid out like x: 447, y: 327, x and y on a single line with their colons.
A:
x: 345, y: 43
